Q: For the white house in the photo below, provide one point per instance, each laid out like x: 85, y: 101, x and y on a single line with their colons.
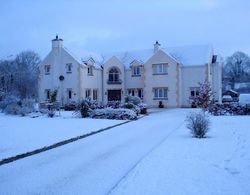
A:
x: 170, y: 75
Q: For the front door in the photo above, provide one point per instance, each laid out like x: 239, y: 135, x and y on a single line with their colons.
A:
x: 114, y: 95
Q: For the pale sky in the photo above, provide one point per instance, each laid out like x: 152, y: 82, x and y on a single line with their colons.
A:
x: 114, y: 25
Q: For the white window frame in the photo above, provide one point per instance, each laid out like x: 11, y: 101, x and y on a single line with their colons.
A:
x: 90, y: 70
x: 160, y: 93
x: 95, y: 94
x: 195, y: 91
x: 136, y: 71
x: 47, y: 94
x: 88, y: 93
x: 47, y: 69
x: 69, y: 68
x: 160, y: 69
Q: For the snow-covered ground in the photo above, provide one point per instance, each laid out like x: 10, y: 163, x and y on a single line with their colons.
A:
x: 154, y: 155
x: 23, y: 134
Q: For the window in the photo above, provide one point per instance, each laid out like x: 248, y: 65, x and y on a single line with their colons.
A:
x: 47, y: 69
x: 47, y: 94
x: 69, y: 94
x: 194, y: 91
x: 87, y: 93
x: 160, y: 69
x: 140, y: 93
x: 136, y: 71
x: 114, y: 76
x: 131, y: 92
x: 69, y: 68
x: 2, y: 81
x: 90, y: 70
x: 95, y: 97
x: 161, y: 93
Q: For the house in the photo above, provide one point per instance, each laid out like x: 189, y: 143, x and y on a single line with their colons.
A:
x: 169, y: 75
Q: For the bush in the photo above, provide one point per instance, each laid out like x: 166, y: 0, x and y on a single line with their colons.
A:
x: 84, y: 108
x: 111, y: 113
x: 13, y: 105
x: 143, y: 108
x: 198, y: 124
x: 132, y: 99
x: 161, y: 105
x: 51, y: 113
x: 113, y: 104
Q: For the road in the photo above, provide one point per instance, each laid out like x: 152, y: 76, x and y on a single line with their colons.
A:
x: 94, y: 165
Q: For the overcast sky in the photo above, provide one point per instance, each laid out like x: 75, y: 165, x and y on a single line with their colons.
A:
x: 105, y: 26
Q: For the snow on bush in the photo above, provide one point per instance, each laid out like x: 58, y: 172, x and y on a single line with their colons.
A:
x: 143, y: 108
x: 111, y: 113
x: 133, y: 99
x: 13, y: 105
x: 198, y: 124
x: 229, y: 109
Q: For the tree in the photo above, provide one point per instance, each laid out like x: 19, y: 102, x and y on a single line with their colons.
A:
x: 19, y: 75
x: 237, y: 68
x: 204, y: 97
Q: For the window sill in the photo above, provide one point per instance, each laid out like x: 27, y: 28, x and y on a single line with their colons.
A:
x: 68, y: 72
x: 160, y: 98
x: 160, y: 73
x: 136, y: 75
x: 90, y: 75
x: 47, y: 73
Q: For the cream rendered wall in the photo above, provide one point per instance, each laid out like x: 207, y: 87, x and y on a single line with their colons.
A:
x: 191, y: 76
x: 133, y: 81
x: 152, y: 81
x: 113, y: 62
x: 217, y: 81
x: 91, y: 82
x: 57, y: 59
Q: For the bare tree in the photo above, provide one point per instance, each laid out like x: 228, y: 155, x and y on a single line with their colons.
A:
x: 19, y: 76
x: 237, y: 68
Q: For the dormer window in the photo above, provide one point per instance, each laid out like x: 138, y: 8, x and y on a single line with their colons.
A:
x: 90, y: 70
x: 69, y: 68
x: 136, y: 71
x: 160, y: 69
x: 47, y: 69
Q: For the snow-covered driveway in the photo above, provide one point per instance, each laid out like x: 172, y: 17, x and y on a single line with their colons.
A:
x: 94, y: 165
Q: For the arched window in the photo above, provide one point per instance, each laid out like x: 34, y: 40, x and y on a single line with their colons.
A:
x: 113, y: 75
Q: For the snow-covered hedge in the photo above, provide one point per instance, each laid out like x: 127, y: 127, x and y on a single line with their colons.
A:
x: 229, y: 109
x: 133, y: 99
x: 111, y: 113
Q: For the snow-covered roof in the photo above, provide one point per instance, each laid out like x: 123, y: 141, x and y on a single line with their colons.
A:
x: 186, y: 55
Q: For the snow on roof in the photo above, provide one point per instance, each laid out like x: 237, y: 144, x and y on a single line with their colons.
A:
x: 192, y: 55
x: 186, y: 55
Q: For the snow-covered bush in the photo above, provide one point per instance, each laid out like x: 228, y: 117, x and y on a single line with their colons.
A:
x: 132, y: 99
x: 51, y: 113
x: 84, y: 108
x: 111, y: 113
x: 13, y: 105
x: 198, y: 124
x: 114, y: 104
x: 143, y: 108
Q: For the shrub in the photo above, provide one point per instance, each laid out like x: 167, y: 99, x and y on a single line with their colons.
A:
x: 114, y: 104
x: 13, y: 105
x: 132, y: 99
x: 143, y: 108
x: 198, y: 124
x: 161, y: 105
x: 111, y: 113
x: 84, y: 107
x: 51, y: 113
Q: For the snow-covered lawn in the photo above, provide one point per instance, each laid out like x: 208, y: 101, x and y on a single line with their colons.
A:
x: 219, y: 164
x: 153, y: 155
x: 23, y: 134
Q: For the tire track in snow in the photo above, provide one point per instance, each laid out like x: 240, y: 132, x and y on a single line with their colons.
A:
x: 143, y: 157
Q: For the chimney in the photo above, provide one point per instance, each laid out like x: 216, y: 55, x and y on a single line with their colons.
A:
x: 57, y: 42
x: 156, y: 46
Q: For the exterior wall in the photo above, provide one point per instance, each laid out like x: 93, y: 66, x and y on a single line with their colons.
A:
x: 217, y: 81
x: 191, y: 76
x: 91, y: 82
x: 113, y: 62
x: 133, y: 81
x: 169, y: 80
x: 57, y: 59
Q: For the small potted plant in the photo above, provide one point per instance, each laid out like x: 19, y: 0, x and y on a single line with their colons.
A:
x: 161, y: 105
